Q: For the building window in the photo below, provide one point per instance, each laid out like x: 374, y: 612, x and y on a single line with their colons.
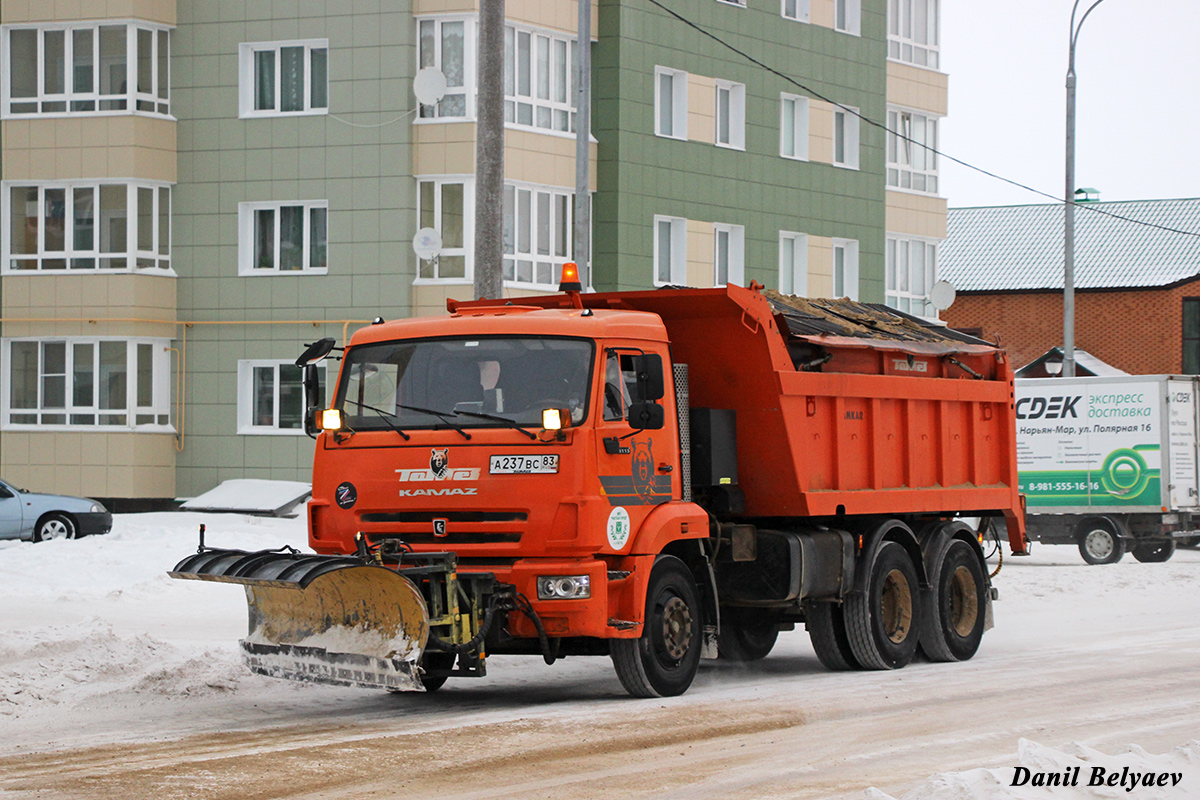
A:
x: 729, y: 244
x: 279, y: 236
x: 911, y: 272
x: 845, y: 268
x: 670, y: 251
x: 912, y: 151
x: 796, y: 9
x: 86, y: 69
x: 284, y: 78
x: 731, y: 115
x: 442, y: 205
x: 448, y: 45
x: 847, y: 15
x: 1191, y: 335
x: 271, y: 397
x: 539, y: 82
x: 913, y: 32
x: 793, y: 263
x: 85, y: 226
x: 793, y: 127
x: 738, y: 3
x: 670, y: 103
x: 89, y: 383
x: 845, y: 137
x: 538, y: 228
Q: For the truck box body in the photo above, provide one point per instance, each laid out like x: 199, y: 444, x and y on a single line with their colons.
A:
x: 1120, y: 445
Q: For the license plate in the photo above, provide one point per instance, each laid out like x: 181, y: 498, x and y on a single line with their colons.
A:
x: 523, y: 465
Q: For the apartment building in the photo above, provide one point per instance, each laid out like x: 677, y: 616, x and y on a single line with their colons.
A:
x: 192, y: 190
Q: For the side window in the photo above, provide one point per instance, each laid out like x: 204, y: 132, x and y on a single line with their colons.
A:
x: 620, y: 386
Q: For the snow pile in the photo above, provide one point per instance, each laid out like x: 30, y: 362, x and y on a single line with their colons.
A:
x: 253, y: 496
x: 1081, y: 773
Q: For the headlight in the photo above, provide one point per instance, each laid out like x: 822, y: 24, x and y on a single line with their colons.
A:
x: 98, y: 509
x: 564, y: 587
x: 331, y: 419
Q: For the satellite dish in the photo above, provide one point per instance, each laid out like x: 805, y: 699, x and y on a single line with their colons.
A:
x: 429, y: 86
x: 427, y: 243
x: 942, y: 295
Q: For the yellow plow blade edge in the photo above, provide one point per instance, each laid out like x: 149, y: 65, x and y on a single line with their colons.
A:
x: 323, y: 619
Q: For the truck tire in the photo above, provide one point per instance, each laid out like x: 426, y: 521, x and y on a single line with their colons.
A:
x: 827, y: 631
x: 953, y: 619
x: 883, y: 622
x: 1154, y: 552
x: 663, y: 662
x: 747, y: 634
x: 1099, y: 542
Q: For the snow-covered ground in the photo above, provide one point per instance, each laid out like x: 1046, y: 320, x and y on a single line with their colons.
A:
x: 98, y: 645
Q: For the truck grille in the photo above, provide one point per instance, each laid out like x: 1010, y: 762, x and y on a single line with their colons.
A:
x: 462, y: 527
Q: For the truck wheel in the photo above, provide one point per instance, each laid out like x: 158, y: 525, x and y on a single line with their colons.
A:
x: 663, y: 662
x: 1154, y: 552
x: 747, y: 634
x: 954, y: 618
x: 827, y: 630
x: 1099, y: 542
x: 882, y: 623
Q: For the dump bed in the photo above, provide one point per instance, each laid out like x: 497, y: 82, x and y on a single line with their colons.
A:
x: 844, y: 407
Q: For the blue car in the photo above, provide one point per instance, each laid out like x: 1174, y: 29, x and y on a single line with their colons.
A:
x: 39, y: 517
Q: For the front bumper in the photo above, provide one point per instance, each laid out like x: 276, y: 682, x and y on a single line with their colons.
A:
x: 93, y: 524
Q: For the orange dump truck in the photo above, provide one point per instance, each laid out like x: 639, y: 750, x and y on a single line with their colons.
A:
x: 655, y: 476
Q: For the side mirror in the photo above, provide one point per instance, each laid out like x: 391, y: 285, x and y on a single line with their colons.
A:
x: 649, y: 370
x: 315, y: 352
x: 312, y: 399
x: 647, y: 416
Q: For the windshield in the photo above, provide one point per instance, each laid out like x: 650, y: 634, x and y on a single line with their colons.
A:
x: 403, y: 383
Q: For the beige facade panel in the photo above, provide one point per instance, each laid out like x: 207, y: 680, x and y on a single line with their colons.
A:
x: 701, y: 108
x: 820, y: 131
x: 449, y: 149
x: 918, y: 88
x: 80, y: 148
x: 558, y: 15
x: 820, y: 266
x: 821, y: 12
x: 916, y: 215
x: 20, y: 11
x: 89, y: 305
x: 700, y: 245
x: 90, y: 463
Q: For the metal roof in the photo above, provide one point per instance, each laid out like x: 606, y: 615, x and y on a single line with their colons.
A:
x: 1006, y: 248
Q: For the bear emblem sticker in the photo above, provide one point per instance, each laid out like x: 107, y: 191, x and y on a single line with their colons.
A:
x: 618, y: 528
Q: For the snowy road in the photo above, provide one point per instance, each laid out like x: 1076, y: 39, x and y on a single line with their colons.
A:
x: 116, y: 682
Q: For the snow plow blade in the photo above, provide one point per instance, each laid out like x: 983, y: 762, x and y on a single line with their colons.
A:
x: 323, y: 619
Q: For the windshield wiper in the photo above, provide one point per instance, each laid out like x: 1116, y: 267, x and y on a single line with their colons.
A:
x: 384, y: 416
x: 442, y: 415
x: 512, y: 423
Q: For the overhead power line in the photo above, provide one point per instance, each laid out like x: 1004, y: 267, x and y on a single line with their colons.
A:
x: 875, y: 123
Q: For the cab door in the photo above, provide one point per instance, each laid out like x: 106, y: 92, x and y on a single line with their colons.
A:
x: 636, y: 459
x: 10, y: 513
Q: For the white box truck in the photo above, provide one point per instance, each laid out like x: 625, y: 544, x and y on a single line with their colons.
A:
x: 1110, y: 463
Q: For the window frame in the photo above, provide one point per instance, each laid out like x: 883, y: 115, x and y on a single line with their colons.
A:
x: 850, y: 14
x: 902, y: 155
x: 559, y: 231
x: 898, y: 269
x: 797, y: 283
x: 904, y: 39
x: 247, y: 212
x: 800, y: 126
x: 736, y: 105
x: 246, y: 396
x: 468, y: 87
x: 677, y: 269
x: 159, y: 387
x: 850, y: 277
x: 848, y: 139
x: 735, y: 269
x: 679, y: 106
x: 133, y: 255
x: 556, y: 80
x: 247, y: 63
x: 803, y: 10
x: 467, y: 250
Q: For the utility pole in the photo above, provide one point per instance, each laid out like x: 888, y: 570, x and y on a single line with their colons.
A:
x: 489, y: 152
x: 583, y: 127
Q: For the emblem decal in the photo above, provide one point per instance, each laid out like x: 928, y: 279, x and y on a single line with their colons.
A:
x: 345, y: 495
x: 618, y: 528
x: 642, y: 465
x: 439, y: 463
x: 439, y: 527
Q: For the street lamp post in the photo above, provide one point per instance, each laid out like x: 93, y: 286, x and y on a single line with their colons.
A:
x: 1068, y: 363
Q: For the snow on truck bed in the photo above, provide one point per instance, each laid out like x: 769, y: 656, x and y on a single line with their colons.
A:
x: 97, y: 645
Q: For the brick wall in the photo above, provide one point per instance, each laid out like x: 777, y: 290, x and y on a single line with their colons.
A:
x: 1138, y: 331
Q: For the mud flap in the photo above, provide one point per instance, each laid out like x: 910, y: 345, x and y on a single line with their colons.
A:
x: 323, y: 619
